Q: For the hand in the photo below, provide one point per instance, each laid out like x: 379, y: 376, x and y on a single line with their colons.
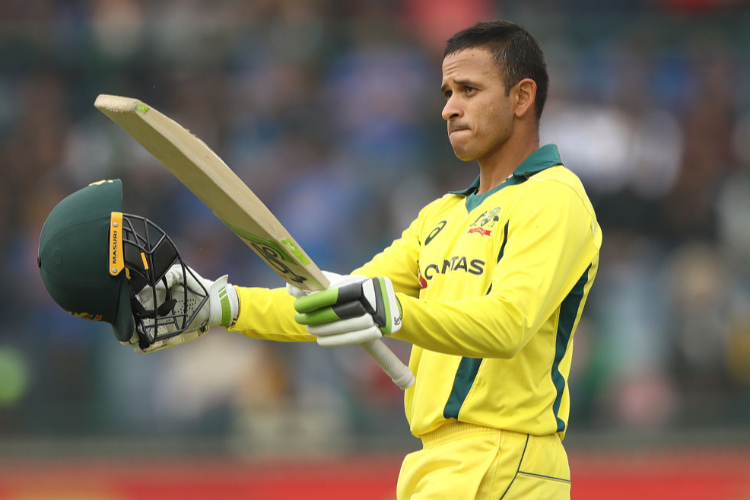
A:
x: 332, y: 278
x: 187, y: 306
x: 353, y: 310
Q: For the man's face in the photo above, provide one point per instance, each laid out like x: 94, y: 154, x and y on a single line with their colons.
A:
x: 478, y: 113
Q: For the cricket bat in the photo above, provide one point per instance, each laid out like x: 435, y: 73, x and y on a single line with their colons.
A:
x: 220, y: 189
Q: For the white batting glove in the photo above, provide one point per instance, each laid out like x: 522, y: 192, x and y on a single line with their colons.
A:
x: 333, y: 280
x: 221, y: 308
x: 353, y: 310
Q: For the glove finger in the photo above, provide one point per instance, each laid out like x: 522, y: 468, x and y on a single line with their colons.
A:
x: 346, y: 293
x: 146, y: 298
x: 195, y: 282
x: 351, y: 338
x: 350, y: 310
x: 150, y: 298
x: 329, y: 314
x: 338, y: 327
x: 314, y: 301
x: 173, y: 276
x: 190, y: 278
x: 316, y: 316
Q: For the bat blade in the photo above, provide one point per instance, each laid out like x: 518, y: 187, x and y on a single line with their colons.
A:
x: 217, y: 186
x: 220, y: 189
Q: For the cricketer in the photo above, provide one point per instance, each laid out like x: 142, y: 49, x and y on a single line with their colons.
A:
x: 488, y: 284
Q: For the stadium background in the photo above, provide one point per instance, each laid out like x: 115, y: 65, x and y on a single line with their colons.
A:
x: 330, y: 111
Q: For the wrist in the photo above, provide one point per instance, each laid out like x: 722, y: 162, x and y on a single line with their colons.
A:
x: 236, y: 313
x: 229, y: 306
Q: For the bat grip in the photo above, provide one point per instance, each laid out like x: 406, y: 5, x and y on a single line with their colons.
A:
x: 389, y: 362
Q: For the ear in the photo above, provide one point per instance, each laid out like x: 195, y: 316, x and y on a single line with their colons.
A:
x: 525, y: 97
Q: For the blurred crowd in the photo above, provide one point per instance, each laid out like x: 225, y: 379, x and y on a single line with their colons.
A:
x: 330, y: 111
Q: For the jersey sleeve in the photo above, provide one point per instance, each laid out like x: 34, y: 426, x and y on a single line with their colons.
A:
x: 268, y: 314
x: 399, y: 262
x: 552, y: 239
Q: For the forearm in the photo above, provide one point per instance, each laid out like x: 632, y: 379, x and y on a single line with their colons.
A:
x: 268, y: 314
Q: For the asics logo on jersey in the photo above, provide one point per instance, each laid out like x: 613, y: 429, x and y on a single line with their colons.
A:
x: 434, y: 232
x: 457, y: 263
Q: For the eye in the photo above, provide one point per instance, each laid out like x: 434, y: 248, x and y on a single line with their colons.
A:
x: 447, y: 94
x: 469, y: 90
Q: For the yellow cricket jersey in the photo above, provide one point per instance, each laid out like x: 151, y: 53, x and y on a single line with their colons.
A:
x: 492, y: 287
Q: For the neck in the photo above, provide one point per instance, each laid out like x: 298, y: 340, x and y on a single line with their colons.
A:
x: 498, y: 166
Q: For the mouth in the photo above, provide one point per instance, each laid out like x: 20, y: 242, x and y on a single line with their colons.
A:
x: 456, y: 130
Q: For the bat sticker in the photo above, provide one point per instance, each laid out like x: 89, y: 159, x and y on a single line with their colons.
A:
x: 263, y: 242
x: 270, y: 254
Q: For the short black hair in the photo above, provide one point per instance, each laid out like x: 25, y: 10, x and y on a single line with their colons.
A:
x: 516, y: 52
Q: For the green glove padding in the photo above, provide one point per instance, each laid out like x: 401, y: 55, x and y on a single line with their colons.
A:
x: 351, y: 314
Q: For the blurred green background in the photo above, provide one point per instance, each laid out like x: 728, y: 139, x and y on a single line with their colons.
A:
x: 330, y: 111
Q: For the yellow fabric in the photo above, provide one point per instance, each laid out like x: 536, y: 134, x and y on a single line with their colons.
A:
x: 268, y: 315
x: 464, y: 461
x: 552, y: 245
x: 502, y: 289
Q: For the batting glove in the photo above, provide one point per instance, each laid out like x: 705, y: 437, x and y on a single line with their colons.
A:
x: 334, y: 279
x: 221, y: 308
x: 353, y: 310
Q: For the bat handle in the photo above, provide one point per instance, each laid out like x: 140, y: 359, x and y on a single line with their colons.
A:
x: 389, y: 362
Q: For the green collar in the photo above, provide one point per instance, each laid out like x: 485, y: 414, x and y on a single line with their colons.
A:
x: 543, y: 158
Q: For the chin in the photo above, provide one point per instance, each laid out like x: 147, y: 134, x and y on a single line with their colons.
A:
x: 463, y: 149
x: 463, y: 154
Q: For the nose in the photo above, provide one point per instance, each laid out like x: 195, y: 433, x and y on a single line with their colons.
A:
x: 451, y: 110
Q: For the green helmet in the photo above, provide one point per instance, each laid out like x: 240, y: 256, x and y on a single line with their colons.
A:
x: 95, y: 261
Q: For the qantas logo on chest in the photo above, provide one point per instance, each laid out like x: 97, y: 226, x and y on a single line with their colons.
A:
x: 454, y: 264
